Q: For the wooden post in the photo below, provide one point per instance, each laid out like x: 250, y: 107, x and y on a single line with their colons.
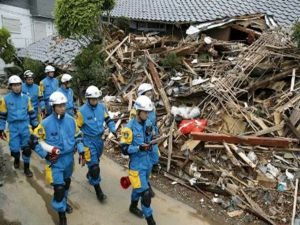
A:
x: 159, y: 85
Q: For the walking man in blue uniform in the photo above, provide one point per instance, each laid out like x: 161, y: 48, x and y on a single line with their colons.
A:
x: 33, y: 91
x: 16, y: 109
x: 60, y: 132
x: 135, y: 141
x: 47, y: 86
x: 66, y: 89
x: 90, y: 120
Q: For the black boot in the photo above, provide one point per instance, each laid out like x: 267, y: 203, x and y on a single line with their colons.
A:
x: 17, y: 163
x: 150, y: 220
x: 62, y: 218
x: 100, y: 195
x: 133, y: 208
x: 27, y: 171
x: 69, y: 209
x: 152, y: 193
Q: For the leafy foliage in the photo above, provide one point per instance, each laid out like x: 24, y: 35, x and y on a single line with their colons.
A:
x: 7, y: 50
x: 296, y: 33
x: 123, y: 23
x: 36, y: 67
x: 90, y: 69
x: 108, y: 5
x: 171, y: 61
x: 77, y: 18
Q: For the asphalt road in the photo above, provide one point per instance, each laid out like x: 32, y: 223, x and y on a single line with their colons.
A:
x: 26, y: 201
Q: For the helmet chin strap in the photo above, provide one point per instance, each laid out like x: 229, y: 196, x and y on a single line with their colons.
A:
x: 58, y: 116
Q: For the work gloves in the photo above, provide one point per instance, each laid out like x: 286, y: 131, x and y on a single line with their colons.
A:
x: 145, y: 147
x: 3, y: 135
x: 33, y: 141
x: 82, y: 159
x: 52, y: 157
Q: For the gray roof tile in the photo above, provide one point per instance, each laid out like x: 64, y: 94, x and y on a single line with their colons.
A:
x: 285, y: 12
x: 48, y: 50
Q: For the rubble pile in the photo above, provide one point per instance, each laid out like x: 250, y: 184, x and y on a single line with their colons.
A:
x: 229, y: 112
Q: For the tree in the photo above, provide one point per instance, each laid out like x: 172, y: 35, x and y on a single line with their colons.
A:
x: 78, y: 18
x: 296, y: 33
x: 81, y: 17
x: 7, y: 50
x: 108, y: 5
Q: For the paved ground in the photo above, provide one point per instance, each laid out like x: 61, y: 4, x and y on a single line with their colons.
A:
x: 27, y: 201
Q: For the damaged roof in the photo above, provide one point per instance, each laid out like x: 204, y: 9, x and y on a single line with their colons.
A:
x: 285, y: 12
x: 54, y: 50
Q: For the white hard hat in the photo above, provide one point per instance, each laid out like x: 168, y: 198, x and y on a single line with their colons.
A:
x: 14, y: 79
x: 144, y: 87
x: 143, y: 103
x: 49, y: 69
x: 66, y: 78
x: 28, y: 74
x: 57, y: 98
x: 92, y: 92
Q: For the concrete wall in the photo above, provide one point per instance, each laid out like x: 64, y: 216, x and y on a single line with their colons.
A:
x: 25, y: 4
x: 42, y: 8
x: 23, y: 37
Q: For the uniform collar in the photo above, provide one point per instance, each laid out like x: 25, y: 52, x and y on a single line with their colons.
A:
x: 91, y: 106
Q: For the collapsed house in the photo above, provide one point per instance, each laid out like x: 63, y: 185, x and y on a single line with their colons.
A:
x: 227, y: 96
x: 229, y: 113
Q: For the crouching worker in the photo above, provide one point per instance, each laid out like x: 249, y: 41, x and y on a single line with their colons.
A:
x: 58, y: 132
x: 135, y: 142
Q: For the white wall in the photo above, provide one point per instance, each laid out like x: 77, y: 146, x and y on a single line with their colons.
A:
x: 42, y: 28
x: 23, y: 38
x: 31, y: 29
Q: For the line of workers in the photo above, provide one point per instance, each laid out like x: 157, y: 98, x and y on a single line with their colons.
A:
x: 43, y: 118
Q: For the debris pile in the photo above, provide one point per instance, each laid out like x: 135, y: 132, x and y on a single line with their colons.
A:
x: 229, y: 111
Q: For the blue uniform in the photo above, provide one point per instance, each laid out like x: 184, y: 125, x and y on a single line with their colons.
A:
x: 140, y: 165
x: 17, y: 110
x: 60, y: 133
x: 47, y: 86
x: 68, y: 92
x: 33, y: 91
x: 154, y: 154
x: 90, y: 120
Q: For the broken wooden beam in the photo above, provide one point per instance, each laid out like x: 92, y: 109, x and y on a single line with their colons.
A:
x: 248, y: 140
x: 159, y: 85
x: 113, y: 52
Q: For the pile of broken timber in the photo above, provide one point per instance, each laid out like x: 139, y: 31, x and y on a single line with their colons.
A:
x: 249, y: 94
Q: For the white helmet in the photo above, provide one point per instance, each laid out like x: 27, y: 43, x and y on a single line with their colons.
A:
x: 49, y: 69
x: 66, y: 78
x: 92, y: 92
x: 14, y: 79
x: 28, y: 74
x: 57, y: 98
x: 144, y: 87
x: 143, y: 103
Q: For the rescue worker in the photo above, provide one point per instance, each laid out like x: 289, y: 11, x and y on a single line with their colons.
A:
x: 47, y: 86
x: 147, y: 90
x: 90, y: 119
x: 16, y: 109
x: 135, y: 142
x: 59, y: 131
x: 33, y: 91
x: 68, y: 92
